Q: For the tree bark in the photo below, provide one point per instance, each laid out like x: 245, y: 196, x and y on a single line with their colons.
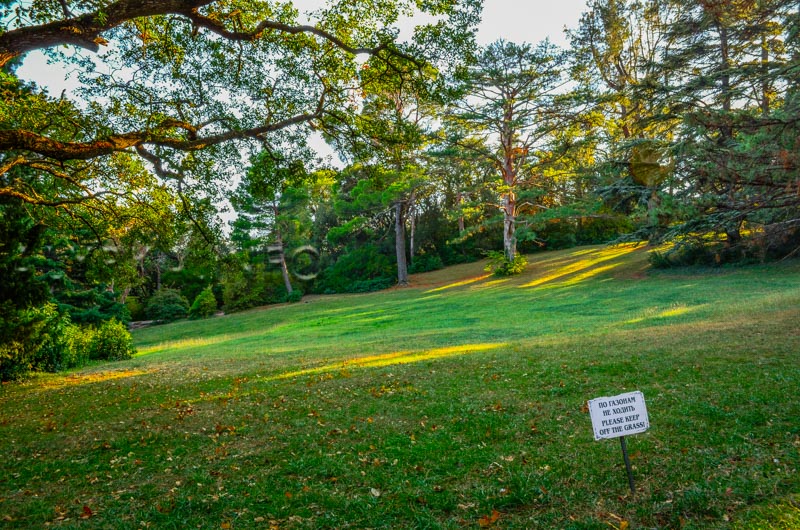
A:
x: 84, y: 31
x: 400, y: 243
x: 412, y: 221
x: 461, y: 226
x: 287, y: 282
x: 510, y: 226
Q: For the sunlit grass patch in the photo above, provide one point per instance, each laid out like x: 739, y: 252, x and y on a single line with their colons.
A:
x: 391, y: 359
x: 74, y: 379
x: 657, y: 313
x: 461, y: 283
x: 583, y: 268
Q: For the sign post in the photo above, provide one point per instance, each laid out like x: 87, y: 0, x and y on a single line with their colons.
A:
x: 618, y: 417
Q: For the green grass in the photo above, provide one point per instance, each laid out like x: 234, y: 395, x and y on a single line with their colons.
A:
x: 459, y: 402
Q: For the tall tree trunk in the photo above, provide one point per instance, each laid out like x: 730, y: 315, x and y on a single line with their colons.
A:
x: 400, y: 243
x: 510, y: 226
x: 510, y: 207
x: 765, y: 76
x: 732, y: 232
x: 653, y: 204
x: 459, y: 201
x: 282, y: 254
x: 412, y: 221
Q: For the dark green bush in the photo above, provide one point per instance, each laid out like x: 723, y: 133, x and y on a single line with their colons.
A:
x: 425, y: 263
x: 684, y: 254
x: 92, y: 306
x: 111, y: 342
x: 55, y: 348
x: 245, y: 286
x: 135, y: 308
x: 205, y: 305
x: 22, y: 332
x: 597, y: 230
x: 362, y: 268
x: 167, y: 305
x: 295, y: 296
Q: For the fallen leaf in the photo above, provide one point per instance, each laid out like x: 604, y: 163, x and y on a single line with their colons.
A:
x: 489, y: 520
x: 87, y: 512
x: 375, y: 492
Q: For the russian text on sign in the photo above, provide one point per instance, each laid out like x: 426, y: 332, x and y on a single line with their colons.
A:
x: 617, y: 416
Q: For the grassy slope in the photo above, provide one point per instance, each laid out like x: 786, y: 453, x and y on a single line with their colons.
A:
x: 458, y: 402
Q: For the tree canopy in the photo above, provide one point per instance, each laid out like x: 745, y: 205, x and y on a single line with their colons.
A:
x: 181, y: 84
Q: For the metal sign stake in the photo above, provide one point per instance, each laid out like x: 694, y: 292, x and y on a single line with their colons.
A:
x: 627, y: 464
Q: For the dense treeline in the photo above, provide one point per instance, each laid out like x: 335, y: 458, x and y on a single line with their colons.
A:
x: 664, y: 121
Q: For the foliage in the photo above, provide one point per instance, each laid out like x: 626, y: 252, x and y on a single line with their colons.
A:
x: 204, y: 305
x: 499, y: 265
x: 167, y: 305
x: 110, y: 342
x: 509, y: 114
x: 425, y: 263
x: 24, y: 332
x: 135, y: 308
x: 57, y: 344
x: 295, y: 296
x: 246, y: 285
x: 93, y: 306
x: 57, y: 348
x: 364, y: 268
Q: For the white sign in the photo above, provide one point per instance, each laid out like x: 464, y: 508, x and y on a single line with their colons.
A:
x: 617, y: 416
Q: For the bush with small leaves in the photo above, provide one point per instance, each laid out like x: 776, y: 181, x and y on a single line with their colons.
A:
x: 205, y: 305
x: 295, y: 296
x: 499, y: 265
x: 111, y: 342
x: 167, y: 305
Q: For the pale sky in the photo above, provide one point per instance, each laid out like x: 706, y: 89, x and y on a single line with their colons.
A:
x: 529, y: 20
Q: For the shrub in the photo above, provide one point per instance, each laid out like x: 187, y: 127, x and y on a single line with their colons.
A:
x: 295, y: 296
x: 426, y: 263
x: 135, y: 308
x: 111, y: 342
x: 245, y: 286
x: 167, y: 305
x: 205, y: 305
x: 368, y: 286
x: 55, y: 349
x: 22, y: 335
x: 500, y: 266
x: 80, y: 345
x: 348, y: 274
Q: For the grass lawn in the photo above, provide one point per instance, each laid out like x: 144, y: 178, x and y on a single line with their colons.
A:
x: 457, y: 403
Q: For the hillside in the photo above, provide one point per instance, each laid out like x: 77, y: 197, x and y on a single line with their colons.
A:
x: 458, y: 402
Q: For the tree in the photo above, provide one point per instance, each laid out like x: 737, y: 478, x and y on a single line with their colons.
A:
x: 616, y: 51
x: 268, y: 199
x: 511, y: 105
x: 722, y: 75
x: 393, y: 124
x: 177, y: 81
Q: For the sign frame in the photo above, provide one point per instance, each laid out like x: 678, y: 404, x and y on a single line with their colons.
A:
x: 620, y: 415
